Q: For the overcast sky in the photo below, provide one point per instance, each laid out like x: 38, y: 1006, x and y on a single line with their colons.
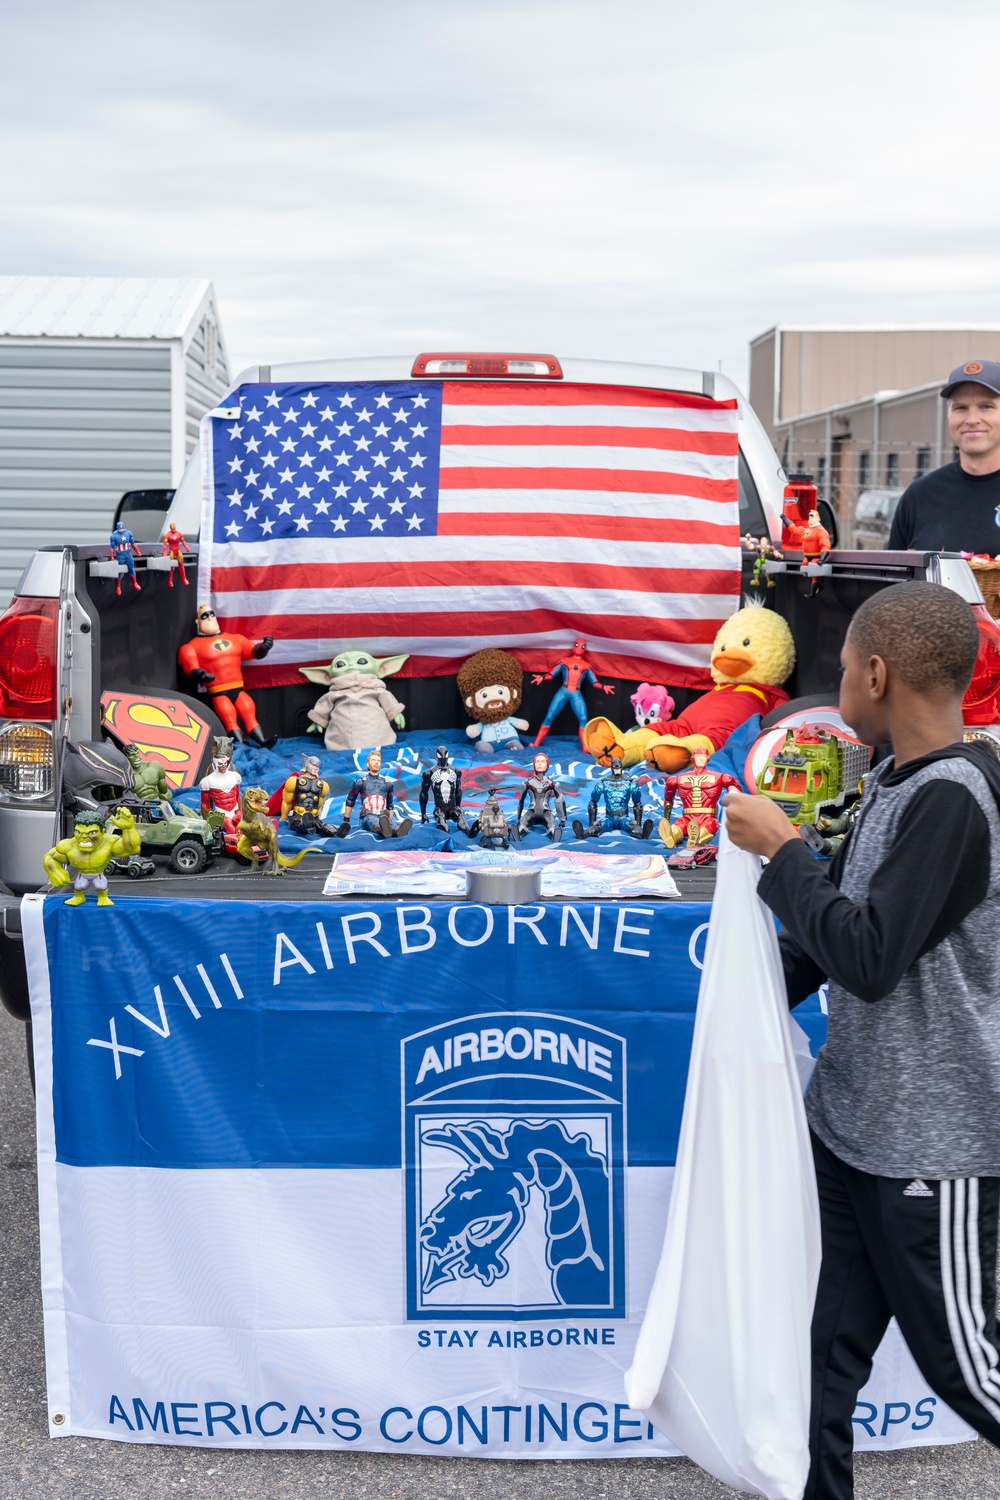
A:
x: 654, y: 181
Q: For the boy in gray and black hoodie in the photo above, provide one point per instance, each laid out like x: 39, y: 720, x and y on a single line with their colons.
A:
x: 905, y: 1100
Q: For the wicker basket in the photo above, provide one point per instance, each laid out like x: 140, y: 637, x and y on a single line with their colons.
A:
x: 988, y: 578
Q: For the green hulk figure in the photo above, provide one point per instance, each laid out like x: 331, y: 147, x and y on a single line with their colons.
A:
x: 89, y: 852
x: 150, y: 776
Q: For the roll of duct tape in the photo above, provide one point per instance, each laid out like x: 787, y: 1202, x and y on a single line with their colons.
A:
x: 503, y: 885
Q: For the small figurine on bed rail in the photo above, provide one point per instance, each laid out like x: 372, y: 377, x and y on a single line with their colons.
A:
x: 443, y: 782
x: 376, y: 803
x: 174, y: 546
x: 124, y: 551
x: 617, y: 792
x: 541, y: 801
x: 213, y: 661
x: 575, y: 671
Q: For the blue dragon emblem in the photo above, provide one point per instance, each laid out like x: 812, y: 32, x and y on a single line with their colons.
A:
x: 467, y: 1233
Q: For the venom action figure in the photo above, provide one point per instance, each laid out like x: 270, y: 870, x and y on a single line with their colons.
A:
x: 444, y: 783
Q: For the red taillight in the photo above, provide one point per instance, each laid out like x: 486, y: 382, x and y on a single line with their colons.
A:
x: 981, y: 704
x: 28, y: 652
x: 513, y: 366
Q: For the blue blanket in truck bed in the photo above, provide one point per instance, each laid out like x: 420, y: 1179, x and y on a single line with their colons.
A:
x: 403, y: 763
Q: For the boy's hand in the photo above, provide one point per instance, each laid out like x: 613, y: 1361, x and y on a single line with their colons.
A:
x: 757, y: 824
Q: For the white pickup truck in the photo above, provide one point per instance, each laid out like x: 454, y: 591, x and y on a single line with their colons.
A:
x: 67, y: 639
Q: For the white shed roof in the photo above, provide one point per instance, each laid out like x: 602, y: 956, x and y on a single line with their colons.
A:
x: 101, y: 307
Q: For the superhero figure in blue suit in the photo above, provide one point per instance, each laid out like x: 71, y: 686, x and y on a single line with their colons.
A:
x: 617, y: 792
x: 124, y: 549
x: 576, y: 672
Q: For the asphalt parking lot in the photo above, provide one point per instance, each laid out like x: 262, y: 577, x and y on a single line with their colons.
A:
x: 77, y: 1469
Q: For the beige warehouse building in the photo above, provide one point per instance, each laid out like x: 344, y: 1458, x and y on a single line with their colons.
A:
x: 858, y: 407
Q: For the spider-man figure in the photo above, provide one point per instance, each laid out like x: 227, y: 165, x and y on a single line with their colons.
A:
x: 575, y: 671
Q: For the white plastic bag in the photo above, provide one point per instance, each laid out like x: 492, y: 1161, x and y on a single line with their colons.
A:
x: 722, y: 1361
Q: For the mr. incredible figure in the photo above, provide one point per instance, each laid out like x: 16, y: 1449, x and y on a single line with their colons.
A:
x: 212, y: 660
x: 376, y: 803
x: 700, y: 791
x: 617, y: 791
x: 576, y: 672
x: 174, y: 546
x: 124, y: 549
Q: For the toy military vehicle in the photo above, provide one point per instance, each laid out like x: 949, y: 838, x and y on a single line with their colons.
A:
x: 809, y: 775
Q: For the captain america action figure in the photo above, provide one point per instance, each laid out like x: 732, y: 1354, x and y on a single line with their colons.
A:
x: 575, y: 671
x: 124, y: 550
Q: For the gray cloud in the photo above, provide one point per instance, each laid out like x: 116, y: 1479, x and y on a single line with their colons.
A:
x: 645, y: 180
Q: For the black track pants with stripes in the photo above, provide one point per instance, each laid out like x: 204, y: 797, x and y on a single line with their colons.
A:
x: 923, y: 1252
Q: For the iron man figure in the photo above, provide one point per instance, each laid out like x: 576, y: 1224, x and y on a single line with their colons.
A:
x: 700, y: 791
x: 174, y: 546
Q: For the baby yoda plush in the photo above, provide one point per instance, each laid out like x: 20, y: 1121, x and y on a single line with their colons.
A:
x: 356, y: 710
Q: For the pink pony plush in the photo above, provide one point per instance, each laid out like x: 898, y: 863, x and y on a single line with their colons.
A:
x: 652, y: 704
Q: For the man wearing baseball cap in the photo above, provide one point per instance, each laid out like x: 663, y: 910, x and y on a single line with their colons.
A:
x: 957, y: 508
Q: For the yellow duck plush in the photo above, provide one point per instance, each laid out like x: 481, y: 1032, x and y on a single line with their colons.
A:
x: 752, y: 655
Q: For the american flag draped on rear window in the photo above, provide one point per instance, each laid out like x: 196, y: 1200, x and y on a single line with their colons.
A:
x: 438, y: 517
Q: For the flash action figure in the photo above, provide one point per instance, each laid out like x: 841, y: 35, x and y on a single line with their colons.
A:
x: 302, y: 798
x: 538, y: 792
x: 491, y: 827
x: 124, y: 549
x: 174, y: 546
x: 576, y: 672
x: 376, y: 803
x: 700, y: 791
x: 89, y: 852
x: 220, y: 793
x: 617, y: 791
x: 212, y: 659
x: 444, y: 783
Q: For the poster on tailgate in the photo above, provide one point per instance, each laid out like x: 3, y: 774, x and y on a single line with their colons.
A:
x: 366, y: 1174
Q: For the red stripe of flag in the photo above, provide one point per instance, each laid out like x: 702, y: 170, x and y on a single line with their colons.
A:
x: 620, y: 481
x: 501, y: 574
x: 453, y: 623
x: 471, y: 393
x: 607, y: 528
x: 605, y: 664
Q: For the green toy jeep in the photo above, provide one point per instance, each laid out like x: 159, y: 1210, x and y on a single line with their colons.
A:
x: 171, y: 828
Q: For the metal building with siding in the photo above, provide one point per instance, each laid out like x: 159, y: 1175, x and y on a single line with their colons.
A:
x: 103, y: 381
